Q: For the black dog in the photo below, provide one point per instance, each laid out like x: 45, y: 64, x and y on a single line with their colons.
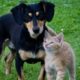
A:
x: 25, y: 27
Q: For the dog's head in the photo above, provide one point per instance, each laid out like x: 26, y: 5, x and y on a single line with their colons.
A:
x: 33, y: 16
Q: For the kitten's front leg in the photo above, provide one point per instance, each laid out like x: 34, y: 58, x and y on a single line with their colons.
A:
x: 50, y: 76
x: 60, y: 75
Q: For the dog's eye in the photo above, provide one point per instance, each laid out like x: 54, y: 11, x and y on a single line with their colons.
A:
x: 28, y: 17
x: 40, y: 15
x: 30, y: 14
x: 37, y: 13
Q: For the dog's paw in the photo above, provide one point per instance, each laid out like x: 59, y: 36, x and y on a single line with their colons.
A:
x: 7, y: 72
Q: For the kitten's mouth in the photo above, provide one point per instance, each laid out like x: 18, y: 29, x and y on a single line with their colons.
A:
x: 47, y: 46
x: 49, y: 49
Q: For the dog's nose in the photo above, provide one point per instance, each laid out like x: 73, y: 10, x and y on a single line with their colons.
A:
x: 36, y: 30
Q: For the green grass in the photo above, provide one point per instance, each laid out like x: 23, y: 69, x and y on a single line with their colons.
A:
x: 67, y: 17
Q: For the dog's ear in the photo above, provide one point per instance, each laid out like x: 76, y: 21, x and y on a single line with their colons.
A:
x: 48, y: 10
x: 18, y: 13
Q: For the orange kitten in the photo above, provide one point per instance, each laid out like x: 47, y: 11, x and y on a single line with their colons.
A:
x: 59, y: 57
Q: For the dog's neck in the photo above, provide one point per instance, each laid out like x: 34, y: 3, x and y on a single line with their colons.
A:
x: 28, y: 43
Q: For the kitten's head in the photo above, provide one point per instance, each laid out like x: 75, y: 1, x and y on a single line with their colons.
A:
x: 53, y: 43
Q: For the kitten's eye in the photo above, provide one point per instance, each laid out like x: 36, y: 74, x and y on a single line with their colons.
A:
x: 51, y: 42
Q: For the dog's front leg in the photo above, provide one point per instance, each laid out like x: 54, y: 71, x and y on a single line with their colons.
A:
x: 19, y: 68
x: 8, y: 61
x: 22, y: 75
x: 1, y: 44
x: 42, y: 72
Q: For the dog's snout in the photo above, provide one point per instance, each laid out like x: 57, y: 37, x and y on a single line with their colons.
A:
x: 36, y: 30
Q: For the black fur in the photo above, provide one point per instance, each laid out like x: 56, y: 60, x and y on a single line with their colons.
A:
x: 46, y: 9
x: 9, y: 29
x: 29, y: 44
x: 12, y: 28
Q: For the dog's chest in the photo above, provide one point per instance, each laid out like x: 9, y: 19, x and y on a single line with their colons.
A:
x: 29, y: 44
x: 31, y: 49
x: 26, y: 55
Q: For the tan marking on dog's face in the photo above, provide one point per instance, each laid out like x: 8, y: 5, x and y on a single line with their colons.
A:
x: 40, y: 23
x: 29, y: 25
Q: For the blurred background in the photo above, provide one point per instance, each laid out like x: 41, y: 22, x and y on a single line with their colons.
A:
x: 66, y: 18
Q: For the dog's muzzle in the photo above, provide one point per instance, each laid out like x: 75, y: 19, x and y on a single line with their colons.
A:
x: 36, y: 31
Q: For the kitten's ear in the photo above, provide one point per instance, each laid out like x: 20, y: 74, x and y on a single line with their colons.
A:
x: 47, y: 35
x: 60, y: 38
